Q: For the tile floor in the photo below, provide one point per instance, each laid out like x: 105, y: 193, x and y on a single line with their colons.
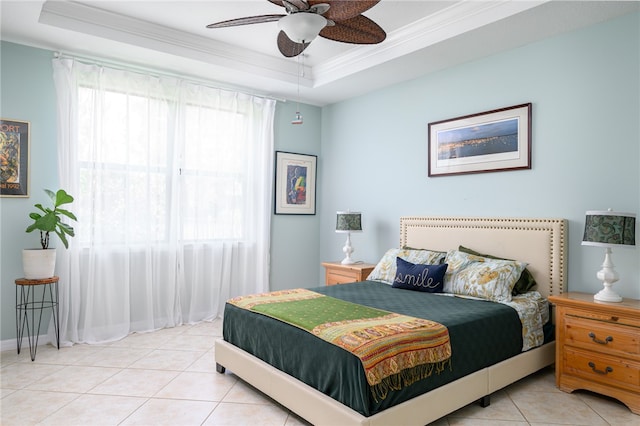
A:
x: 168, y: 377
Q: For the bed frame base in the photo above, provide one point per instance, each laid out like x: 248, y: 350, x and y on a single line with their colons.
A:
x: 319, y: 409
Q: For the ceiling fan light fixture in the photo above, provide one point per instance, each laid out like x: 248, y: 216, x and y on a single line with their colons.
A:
x: 302, y: 27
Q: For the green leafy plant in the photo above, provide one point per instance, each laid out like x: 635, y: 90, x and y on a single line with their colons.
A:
x: 51, y: 220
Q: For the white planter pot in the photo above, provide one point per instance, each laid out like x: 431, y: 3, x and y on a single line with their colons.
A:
x: 38, y: 263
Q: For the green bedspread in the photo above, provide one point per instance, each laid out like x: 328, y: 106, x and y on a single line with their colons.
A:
x: 481, y: 334
x: 395, y: 350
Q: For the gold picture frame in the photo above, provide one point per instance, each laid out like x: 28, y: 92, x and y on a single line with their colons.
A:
x: 14, y: 157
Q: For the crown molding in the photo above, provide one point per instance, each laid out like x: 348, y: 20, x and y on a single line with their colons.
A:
x: 90, y: 20
x: 452, y: 21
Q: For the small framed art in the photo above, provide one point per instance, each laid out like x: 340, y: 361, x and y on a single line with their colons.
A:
x: 14, y: 158
x: 489, y: 141
x: 295, y: 191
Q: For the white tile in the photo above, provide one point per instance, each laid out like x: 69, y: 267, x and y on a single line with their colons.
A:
x: 555, y: 407
x: 163, y: 359
x: 247, y: 414
x: 77, y: 379
x: 8, y: 357
x: 4, y: 392
x: 172, y: 331
x: 244, y: 393
x: 483, y: 422
x: 28, y: 407
x: 150, y: 340
x: 294, y: 420
x: 500, y: 408
x: 198, y: 386
x: 541, y: 381
x: 133, y: 382
x: 20, y: 375
x: 613, y: 411
x: 206, y: 363
x: 189, y: 342
x: 171, y: 412
x: 65, y: 355
x: 98, y: 410
x: 206, y: 328
x: 111, y: 356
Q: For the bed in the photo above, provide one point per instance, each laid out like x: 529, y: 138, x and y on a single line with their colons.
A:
x: 538, y: 242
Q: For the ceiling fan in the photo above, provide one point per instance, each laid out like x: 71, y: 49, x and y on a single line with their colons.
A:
x: 338, y: 20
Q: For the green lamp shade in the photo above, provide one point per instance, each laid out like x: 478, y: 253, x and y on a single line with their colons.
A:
x: 348, y: 222
x: 609, y: 229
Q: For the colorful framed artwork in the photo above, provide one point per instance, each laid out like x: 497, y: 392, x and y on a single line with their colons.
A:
x: 295, y: 191
x: 14, y: 158
x: 489, y: 141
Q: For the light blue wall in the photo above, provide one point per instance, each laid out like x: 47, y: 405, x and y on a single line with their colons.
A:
x: 28, y: 94
x: 295, y: 251
x: 585, y: 91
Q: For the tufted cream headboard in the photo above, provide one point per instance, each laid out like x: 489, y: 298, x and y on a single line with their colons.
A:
x: 542, y: 243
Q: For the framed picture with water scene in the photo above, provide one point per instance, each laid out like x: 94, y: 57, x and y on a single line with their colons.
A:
x: 490, y: 141
x: 14, y: 158
x: 295, y: 191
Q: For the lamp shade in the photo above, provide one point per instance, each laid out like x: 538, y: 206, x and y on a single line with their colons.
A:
x: 348, y: 222
x: 609, y: 229
x: 302, y: 27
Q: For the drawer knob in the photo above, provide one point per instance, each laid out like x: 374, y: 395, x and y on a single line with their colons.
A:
x: 599, y: 341
x: 595, y: 370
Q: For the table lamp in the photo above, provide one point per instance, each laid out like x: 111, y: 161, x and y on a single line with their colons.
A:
x: 348, y: 222
x: 609, y: 229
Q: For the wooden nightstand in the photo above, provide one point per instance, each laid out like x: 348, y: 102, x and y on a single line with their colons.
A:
x: 337, y: 273
x: 598, y: 347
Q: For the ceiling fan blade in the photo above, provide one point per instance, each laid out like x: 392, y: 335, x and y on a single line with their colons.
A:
x: 341, y: 10
x: 358, y: 30
x: 246, y: 21
x: 288, y: 47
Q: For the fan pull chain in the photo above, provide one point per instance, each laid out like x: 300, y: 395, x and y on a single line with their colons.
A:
x: 298, y: 118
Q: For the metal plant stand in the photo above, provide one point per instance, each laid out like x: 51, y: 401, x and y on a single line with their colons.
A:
x: 27, y: 307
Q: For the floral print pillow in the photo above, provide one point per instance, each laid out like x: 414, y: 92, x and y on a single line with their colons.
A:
x: 481, y: 277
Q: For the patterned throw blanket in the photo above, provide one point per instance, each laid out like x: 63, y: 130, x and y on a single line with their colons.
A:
x: 395, y: 350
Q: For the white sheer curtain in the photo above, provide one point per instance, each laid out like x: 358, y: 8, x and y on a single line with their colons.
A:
x: 172, y: 186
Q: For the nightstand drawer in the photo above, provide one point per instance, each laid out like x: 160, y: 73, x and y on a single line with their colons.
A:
x: 604, y: 317
x: 600, y: 368
x: 602, y: 337
x: 337, y: 273
x: 339, y: 277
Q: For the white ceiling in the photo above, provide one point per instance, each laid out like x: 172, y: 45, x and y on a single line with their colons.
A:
x: 422, y: 36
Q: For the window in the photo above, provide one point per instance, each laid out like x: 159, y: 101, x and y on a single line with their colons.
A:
x: 173, y: 191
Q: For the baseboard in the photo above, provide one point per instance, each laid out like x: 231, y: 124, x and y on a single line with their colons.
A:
x: 12, y: 344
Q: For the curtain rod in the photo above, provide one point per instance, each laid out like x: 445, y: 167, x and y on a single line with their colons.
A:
x: 161, y: 73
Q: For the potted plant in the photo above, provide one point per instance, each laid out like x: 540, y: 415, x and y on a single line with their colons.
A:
x: 41, y: 263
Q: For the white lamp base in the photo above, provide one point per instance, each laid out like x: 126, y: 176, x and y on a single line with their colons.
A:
x: 608, y: 276
x: 607, y: 295
x: 347, y: 249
